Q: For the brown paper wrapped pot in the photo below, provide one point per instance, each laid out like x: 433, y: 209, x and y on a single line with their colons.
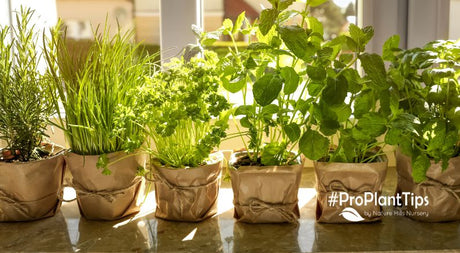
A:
x: 442, y: 188
x: 353, y: 178
x: 107, y: 197
x: 31, y: 190
x: 187, y: 194
x: 266, y: 194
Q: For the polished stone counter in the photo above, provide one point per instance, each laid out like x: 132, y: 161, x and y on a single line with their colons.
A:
x: 67, y: 231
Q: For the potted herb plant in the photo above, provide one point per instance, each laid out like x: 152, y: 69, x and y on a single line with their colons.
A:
x: 186, y: 121
x: 426, y: 127
x: 31, y: 170
x: 346, y: 116
x: 98, y: 92
x: 269, y: 76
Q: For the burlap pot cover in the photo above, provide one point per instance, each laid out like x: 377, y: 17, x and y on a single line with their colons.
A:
x: 266, y: 194
x: 31, y: 190
x: 353, y: 178
x: 107, y: 197
x: 441, y: 187
x: 187, y: 194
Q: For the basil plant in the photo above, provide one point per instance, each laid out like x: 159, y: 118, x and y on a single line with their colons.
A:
x: 300, y: 91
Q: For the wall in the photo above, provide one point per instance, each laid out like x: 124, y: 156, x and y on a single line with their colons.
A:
x: 454, y: 27
x: 82, y: 13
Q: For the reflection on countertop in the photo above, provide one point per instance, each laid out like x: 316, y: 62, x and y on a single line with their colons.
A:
x: 68, y: 232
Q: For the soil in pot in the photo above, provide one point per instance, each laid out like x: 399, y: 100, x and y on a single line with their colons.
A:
x: 346, y: 181
x: 265, y: 194
x: 188, y: 194
x: 437, y: 199
x: 31, y: 190
x: 107, y: 197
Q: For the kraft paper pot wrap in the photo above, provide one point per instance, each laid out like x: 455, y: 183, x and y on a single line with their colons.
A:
x: 352, y: 180
x: 107, y: 197
x: 188, y: 194
x: 31, y: 190
x: 265, y: 194
x: 442, y: 190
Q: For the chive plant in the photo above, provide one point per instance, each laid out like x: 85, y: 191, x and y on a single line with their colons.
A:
x: 97, y: 89
x: 24, y: 106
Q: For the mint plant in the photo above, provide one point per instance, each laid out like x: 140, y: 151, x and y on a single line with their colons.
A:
x: 24, y: 107
x: 184, y: 113
x: 305, y: 91
x: 426, y: 122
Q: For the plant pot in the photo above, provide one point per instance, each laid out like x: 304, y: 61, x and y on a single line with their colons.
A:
x: 31, y: 190
x: 187, y: 194
x: 265, y: 194
x: 352, y: 180
x: 441, y: 188
x: 107, y: 197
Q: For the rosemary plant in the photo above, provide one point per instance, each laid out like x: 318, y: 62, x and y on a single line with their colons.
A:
x: 24, y: 106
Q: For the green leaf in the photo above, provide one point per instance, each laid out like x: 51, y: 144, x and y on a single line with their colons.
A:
x: 389, y: 47
x: 329, y: 127
x: 393, y: 136
x: 314, y: 145
x: 343, y: 112
x: 385, y: 102
x: 372, y: 124
x: 296, y: 39
x: 353, y: 79
x: 314, y: 3
x: 102, y: 163
x: 234, y: 85
x: 291, y: 80
x: 270, y: 109
x: 363, y: 103
x: 345, y: 58
x: 361, y: 36
x: 315, y: 25
x: 335, y: 91
x: 267, y: 20
x: 316, y: 73
x: 272, y: 154
x: 250, y: 63
x: 375, y: 69
x: 302, y: 106
x: 228, y: 26
x: 239, y: 22
x: 245, y: 122
x: 244, y: 110
x: 314, y: 88
x: 420, y: 166
x: 267, y: 88
x: 292, y: 131
x: 360, y: 136
x: 258, y: 46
